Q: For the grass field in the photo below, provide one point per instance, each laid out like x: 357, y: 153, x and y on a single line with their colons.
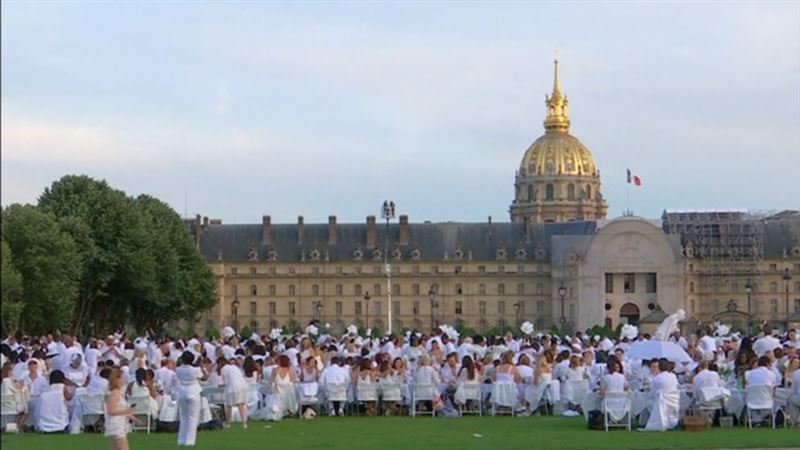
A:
x: 426, y: 433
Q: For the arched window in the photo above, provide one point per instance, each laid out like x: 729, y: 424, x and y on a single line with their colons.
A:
x: 530, y: 192
x: 571, y: 191
x: 548, y: 191
x: 588, y: 192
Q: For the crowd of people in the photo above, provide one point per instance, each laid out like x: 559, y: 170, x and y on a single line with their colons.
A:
x: 191, y: 381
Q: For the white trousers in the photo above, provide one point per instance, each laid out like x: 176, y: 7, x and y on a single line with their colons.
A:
x: 190, y: 418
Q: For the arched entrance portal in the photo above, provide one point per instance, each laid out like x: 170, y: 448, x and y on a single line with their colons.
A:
x: 629, y: 313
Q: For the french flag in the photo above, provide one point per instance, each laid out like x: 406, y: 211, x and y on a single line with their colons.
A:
x: 634, y: 179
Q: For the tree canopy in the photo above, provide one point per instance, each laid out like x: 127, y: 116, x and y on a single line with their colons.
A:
x: 108, y: 261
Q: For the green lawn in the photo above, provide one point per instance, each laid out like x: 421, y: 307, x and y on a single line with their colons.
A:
x: 499, y: 433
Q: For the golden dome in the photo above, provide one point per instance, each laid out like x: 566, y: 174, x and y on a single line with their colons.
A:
x: 557, y: 152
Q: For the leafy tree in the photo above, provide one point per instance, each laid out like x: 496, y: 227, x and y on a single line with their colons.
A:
x: 11, y: 292
x: 49, y: 264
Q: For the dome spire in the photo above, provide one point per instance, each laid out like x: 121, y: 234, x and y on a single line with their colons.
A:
x: 557, y: 116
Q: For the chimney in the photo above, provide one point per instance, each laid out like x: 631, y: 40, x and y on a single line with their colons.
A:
x: 331, y: 230
x: 372, y: 232
x: 266, y: 229
x: 300, y: 229
x: 205, y: 223
x: 198, y: 230
x: 405, y: 233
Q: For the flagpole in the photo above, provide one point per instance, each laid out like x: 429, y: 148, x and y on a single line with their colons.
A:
x: 628, y: 198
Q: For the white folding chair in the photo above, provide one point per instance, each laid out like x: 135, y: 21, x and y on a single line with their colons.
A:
x: 366, y: 393
x: 336, y: 392
x: 390, y: 393
x: 93, y: 408
x: 422, y: 393
x: 8, y: 413
x: 759, y: 398
x: 574, y: 391
x: 782, y: 404
x: 472, y: 391
x: 709, y: 401
x: 501, y: 395
x: 141, y: 408
x: 216, y: 400
x: 617, y: 404
x: 309, y: 395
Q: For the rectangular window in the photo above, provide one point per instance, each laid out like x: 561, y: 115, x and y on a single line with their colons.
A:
x: 481, y: 288
x: 315, y: 289
x: 234, y: 290
x: 396, y: 289
x: 358, y: 270
x: 539, y: 307
x: 650, y: 283
x: 272, y: 289
x: 358, y: 309
x: 797, y: 286
x: 457, y: 270
x: 338, y: 309
x: 272, y: 271
x: 338, y: 289
x: 572, y: 312
x: 415, y: 308
x: 501, y: 307
x: 609, y: 283
x: 691, y: 267
x: 458, y: 290
x: 539, y: 288
x: 339, y: 270
x: 630, y: 283
x: 691, y: 306
x: 292, y: 310
x: 396, y: 308
x: 272, y: 308
x: 434, y: 269
x: 357, y: 290
x: 501, y: 289
x: 376, y: 308
x: 482, y: 308
x: 797, y: 305
x: 415, y: 269
x: 376, y: 270
x: 774, y: 305
x: 691, y: 286
x: 481, y: 269
x: 253, y: 271
x: 458, y: 308
x: 520, y: 289
x: 520, y: 270
x: 315, y: 270
x: 291, y: 271
x: 253, y: 309
x: 773, y: 267
x: 415, y: 289
x: 291, y: 289
x: 501, y: 269
x: 734, y: 287
x: 773, y: 286
x: 234, y: 271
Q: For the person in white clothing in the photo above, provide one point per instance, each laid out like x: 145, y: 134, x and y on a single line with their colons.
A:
x: 236, y: 390
x: 335, y: 374
x: 794, y: 398
x: 35, y: 381
x: 761, y: 375
x: 766, y: 343
x: 666, y: 398
x: 188, y: 378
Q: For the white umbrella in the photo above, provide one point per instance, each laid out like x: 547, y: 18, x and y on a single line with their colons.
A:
x: 658, y: 349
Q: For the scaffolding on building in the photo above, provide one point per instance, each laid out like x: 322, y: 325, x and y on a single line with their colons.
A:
x: 728, y: 245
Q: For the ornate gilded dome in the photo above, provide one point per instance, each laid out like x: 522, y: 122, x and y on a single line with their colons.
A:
x: 557, y: 152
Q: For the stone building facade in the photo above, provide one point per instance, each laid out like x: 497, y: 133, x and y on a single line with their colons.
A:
x: 558, y: 262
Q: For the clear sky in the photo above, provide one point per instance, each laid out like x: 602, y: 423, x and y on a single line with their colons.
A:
x: 318, y: 108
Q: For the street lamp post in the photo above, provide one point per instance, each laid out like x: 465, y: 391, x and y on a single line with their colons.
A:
x: 562, y: 292
x: 749, y: 288
x: 432, y: 297
x: 387, y: 212
x: 319, y: 311
x: 235, y: 305
x: 366, y: 301
x: 786, y: 281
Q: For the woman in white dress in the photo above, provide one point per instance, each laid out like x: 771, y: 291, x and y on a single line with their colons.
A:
x: 506, y: 378
x: 542, y: 379
x: 117, y: 413
x: 426, y: 375
x: 236, y: 390
x: 310, y: 371
x: 283, y: 382
x: 144, y: 386
x: 188, y: 378
x: 614, y: 382
x: 366, y: 379
x: 468, y: 375
x: 14, y: 391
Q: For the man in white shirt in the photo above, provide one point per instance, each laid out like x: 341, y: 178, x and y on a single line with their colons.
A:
x: 449, y: 373
x: 766, y: 343
x: 708, y: 345
x: 165, y: 375
x: 335, y: 374
x: 35, y: 382
x: 761, y: 375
